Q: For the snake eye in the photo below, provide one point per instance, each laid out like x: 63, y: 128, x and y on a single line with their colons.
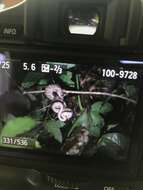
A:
x: 55, y: 94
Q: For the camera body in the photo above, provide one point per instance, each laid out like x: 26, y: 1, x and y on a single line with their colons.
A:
x: 87, y: 52
x: 74, y: 23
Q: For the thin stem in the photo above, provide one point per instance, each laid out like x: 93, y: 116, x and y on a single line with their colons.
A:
x: 42, y: 109
x: 34, y: 92
x: 79, y: 99
x: 88, y: 93
x: 101, y: 94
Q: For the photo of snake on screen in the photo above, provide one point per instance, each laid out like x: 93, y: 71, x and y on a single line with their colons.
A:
x: 68, y: 109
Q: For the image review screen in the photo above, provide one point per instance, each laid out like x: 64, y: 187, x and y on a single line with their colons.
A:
x: 84, y: 110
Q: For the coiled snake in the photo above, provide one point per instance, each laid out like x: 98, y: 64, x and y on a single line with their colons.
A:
x: 55, y: 94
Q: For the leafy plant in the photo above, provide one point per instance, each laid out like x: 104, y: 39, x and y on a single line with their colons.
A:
x: 111, y: 126
x: 31, y: 79
x: 27, y: 84
x: 53, y: 128
x: 130, y: 91
x: 18, y: 126
x: 114, y: 145
x: 43, y: 82
x: 96, y: 124
x: 37, y: 144
x: 82, y: 120
x: 93, y: 119
x: 90, y: 110
x: 67, y: 78
x: 101, y: 108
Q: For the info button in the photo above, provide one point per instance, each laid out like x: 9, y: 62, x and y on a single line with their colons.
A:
x: 11, y: 31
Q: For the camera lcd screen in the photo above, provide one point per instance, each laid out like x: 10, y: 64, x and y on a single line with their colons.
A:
x: 71, y: 109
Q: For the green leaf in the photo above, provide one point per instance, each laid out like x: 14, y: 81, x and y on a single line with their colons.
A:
x: 37, y: 144
x: 33, y: 77
x: 114, y: 145
x: 53, y: 128
x: 27, y: 84
x: 112, y: 126
x: 58, y: 124
x: 96, y: 124
x: 83, y: 120
x: 70, y: 66
x: 93, y: 121
x: 95, y: 131
x: 67, y: 78
x: 18, y: 126
x: 101, y: 108
x: 131, y: 91
x: 115, y: 138
x: 43, y: 82
x: 97, y: 120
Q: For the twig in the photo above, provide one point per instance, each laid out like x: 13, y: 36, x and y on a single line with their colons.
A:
x: 87, y: 93
x: 79, y: 99
x: 34, y: 92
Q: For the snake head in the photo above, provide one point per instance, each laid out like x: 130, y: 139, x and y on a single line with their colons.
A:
x: 53, y: 92
x: 57, y: 106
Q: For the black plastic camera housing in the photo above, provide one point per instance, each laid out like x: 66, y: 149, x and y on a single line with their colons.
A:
x: 104, y: 23
x: 102, y: 32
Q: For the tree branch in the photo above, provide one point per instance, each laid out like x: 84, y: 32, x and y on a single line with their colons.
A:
x: 87, y: 93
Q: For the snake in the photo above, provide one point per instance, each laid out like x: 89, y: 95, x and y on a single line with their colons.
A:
x: 63, y: 113
x: 55, y: 94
